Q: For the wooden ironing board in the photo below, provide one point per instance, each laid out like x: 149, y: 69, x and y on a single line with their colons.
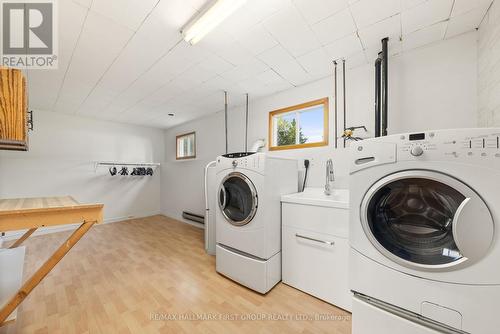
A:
x: 32, y: 213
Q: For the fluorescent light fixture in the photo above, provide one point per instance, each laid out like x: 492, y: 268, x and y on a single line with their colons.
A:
x: 216, y: 12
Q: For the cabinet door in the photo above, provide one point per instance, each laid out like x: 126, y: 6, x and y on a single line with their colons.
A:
x: 13, y: 110
x: 317, y: 263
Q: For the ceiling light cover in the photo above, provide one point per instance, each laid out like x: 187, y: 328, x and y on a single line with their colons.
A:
x: 209, y: 19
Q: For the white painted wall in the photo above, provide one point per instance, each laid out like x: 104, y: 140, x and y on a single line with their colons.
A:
x: 489, y: 68
x: 60, y: 161
x: 430, y: 88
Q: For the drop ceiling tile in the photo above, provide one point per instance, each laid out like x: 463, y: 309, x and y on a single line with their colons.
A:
x: 278, y: 87
x: 172, y: 64
x: 130, y: 13
x: 292, y: 72
x: 198, y: 74
x: 426, y: 14
x: 216, y: 64
x: 257, y: 40
x: 464, y: 23
x: 162, y: 95
x: 368, y: 12
x: 292, y: 32
x: 71, y: 97
x: 235, y: 54
x: 100, y: 43
x: 176, y: 13
x: 317, y: 63
x: 373, y: 34
x: 263, y: 9
x: 147, y: 46
x: 407, y: 4
x: 424, y: 36
x: 198, y: 92
x: 156, y: 37
x: 218, y: 83
x: 238, y: 22
x: 344, y: 47
x: 136, y: 92
x: 317, y: 10
x: 270, y: 77
x: 217, y: 41
x: 275, y: 56
x: 335, y: 27
x: 464, y: 6
x: 253, y: 86
x: 185, y: 83
x: 245, y: 71
x: 44, y: 85
x: 85, y: 3
x: 99, y: 100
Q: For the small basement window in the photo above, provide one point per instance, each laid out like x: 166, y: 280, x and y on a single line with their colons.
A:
x: 186, y: 146
x: 300, y: 126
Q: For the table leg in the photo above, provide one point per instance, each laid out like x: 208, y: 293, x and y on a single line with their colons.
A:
x: 37, y: 277
x: 23, y: 238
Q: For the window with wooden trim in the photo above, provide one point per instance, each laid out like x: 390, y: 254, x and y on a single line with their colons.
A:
x: 186, y: 146
x: 300, y: 126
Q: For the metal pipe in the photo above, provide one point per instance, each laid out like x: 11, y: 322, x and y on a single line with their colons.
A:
x: 385, y: 86
x: 343, y: 83
x: 336, y: 137
x: 378, y: 62
x: 246, y: 124
x: 225, y: 118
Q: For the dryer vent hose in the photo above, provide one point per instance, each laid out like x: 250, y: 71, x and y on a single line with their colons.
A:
x: 257, y: 145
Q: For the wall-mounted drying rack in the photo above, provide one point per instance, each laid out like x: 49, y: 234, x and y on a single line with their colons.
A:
x: 142, y: 168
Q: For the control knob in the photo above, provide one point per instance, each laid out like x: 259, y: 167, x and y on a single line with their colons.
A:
x: 416, y: 151
x: 235, y: 163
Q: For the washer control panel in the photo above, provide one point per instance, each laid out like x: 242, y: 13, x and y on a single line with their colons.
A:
x: 461, y: 144
x: 254, y: 161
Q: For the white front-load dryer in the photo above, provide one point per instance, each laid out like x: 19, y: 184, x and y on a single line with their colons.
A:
x: 248, y: 217
x: 423, y: 227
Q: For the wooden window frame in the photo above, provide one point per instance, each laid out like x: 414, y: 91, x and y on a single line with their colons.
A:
x: 324, y: 101
x: 177, y: 146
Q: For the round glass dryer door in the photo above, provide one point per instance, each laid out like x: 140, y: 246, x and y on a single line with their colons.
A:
x: 238, y: 199
x: 426, y: 219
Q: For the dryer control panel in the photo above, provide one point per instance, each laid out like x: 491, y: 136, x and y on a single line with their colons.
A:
x: 461, y: 144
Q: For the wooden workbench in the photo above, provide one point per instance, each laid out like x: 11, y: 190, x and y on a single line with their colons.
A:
x: 32, y: 213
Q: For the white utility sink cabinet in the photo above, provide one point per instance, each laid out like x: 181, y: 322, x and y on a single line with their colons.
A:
x: 315, y: 245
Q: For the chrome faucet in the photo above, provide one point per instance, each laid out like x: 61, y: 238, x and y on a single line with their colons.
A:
x: 330, y: 177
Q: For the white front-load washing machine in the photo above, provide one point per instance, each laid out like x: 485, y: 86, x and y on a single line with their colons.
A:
x: 424, y: 232
x: 248, y: 219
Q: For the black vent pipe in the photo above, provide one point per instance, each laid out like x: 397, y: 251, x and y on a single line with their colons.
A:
x: 378, y: 63
x: 385, y: 87
x: 381, y: 90
x: 225, y: 119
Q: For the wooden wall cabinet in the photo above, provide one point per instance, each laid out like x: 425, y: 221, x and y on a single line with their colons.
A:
x: 13, y: 110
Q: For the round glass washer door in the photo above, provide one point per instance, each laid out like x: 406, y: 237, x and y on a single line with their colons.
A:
x: 238, y: 200
x: 426, y: 219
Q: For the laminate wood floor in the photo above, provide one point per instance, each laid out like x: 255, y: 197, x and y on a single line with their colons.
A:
x: 152, y: 275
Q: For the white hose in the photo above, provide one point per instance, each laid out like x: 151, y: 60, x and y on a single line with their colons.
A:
x: 257, y: 145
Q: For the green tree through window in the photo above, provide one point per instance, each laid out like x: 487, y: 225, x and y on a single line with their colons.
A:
x: 287, y: 132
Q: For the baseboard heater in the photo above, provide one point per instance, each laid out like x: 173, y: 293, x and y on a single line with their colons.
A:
x: 193, y: 217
